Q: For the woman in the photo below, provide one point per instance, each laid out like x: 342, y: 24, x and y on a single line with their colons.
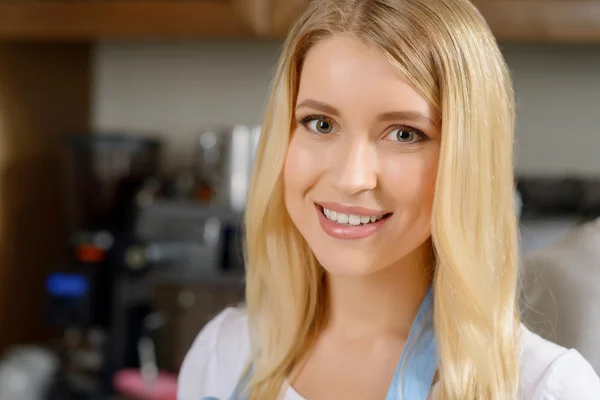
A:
x: 381, y: 233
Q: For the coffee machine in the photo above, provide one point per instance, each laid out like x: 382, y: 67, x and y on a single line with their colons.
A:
x: 104, y: 174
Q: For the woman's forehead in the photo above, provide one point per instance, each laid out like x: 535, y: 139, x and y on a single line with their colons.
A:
x: 347, y: 74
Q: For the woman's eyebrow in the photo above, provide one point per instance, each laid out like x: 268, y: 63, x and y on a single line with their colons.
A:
x: 406, y: 116
x: 386, y: 116
x: 318, y: 105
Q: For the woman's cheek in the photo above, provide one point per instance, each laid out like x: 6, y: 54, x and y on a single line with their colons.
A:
x: 304, y: 162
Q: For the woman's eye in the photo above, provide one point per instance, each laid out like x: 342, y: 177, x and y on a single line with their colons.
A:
x: 319, y: 125
x: 405, y: 135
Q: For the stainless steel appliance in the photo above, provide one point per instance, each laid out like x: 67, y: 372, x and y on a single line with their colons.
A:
x: 224, y: 163
x: 176, y: 242
x: 187, y: 237
x: 105, y: 172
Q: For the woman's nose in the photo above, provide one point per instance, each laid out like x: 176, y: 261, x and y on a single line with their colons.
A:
x: 356, y: 168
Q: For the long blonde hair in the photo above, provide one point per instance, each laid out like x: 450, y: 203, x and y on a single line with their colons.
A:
x: 446, y: 51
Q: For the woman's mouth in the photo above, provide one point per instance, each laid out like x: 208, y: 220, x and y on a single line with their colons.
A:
x: 342, y: 225
x: 351, y: 219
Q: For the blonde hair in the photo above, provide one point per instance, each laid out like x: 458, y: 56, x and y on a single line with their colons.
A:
x: 446, y: 51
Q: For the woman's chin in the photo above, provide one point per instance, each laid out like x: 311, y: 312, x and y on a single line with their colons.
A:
x: 350, y: 267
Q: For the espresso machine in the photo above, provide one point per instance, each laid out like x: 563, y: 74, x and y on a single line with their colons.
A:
x: 184, y: 258
x: 189, y: 247
x: 200, y: 231
x: 105, y: 172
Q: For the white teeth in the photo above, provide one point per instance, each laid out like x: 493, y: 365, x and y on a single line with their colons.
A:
x: 354, y: 220
x: 350, y: 219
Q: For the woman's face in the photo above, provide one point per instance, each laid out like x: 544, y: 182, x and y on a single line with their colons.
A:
x: 361, y: 165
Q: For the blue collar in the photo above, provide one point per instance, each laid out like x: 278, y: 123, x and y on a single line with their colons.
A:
x: 419, y: 361
x: 417, y: 366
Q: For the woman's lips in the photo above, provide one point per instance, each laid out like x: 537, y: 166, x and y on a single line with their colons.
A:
x: 351, y: 209
x: 346, y: 231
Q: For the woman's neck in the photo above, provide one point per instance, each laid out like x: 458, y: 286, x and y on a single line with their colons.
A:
x: 386, y: 301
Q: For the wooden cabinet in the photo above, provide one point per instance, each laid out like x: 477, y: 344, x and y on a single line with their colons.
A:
x: 44, y: 94
x: 75, y: 20
x: 285, y: 13
x: 271, y: 17
x: 511, y: 20
x: 543, y: 20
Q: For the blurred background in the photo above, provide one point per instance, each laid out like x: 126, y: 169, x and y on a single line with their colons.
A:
x: 127, y: 134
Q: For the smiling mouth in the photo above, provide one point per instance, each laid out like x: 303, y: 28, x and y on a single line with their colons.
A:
x: 350, y: 220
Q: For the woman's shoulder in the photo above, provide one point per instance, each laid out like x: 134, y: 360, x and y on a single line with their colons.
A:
x: 217, y: 358
x: 549, y: 371
x: 220, y: 352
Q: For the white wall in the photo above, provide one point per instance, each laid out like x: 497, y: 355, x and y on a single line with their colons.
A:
x: 558, y: 107
x: 178, y: 89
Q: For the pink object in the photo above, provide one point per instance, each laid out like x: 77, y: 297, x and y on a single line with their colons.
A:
x: 129, y: 382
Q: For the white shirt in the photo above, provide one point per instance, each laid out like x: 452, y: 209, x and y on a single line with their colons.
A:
x: 220, y: 353
x: 560, y: 298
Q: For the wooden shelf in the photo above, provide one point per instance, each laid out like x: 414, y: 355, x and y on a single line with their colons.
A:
x: 80, y: 20
x: 90, y: 20
x: 543, y: 20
